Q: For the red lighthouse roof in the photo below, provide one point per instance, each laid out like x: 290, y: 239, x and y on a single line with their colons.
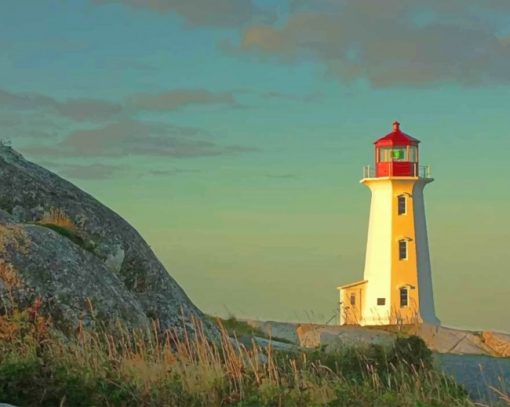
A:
x: 396, y: 138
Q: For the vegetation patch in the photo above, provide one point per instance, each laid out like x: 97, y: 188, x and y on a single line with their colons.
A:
x: 68, y: 233
x: 8, y: 275
x: 58, y: 221
x: 180, y: 368
x: 57, y: 217
x: 13, y: 236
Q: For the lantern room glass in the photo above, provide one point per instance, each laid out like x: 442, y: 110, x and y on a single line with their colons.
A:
x: 398, y: 153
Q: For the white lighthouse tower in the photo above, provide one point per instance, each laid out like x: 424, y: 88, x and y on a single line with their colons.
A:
x: 397, y: 283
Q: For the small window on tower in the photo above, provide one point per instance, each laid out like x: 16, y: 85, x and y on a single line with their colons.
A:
x: 402, y: 249
x: 353, y: 299
x: 404, y: 297
x: 402, y: 207
x: 381, y: 301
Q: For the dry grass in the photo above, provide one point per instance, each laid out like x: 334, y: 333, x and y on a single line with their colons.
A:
x: 182, y: 367
x: 57, y: 217
x: 394, y: 317
x: 8, y: 275
x: 504, y: 397
x: 58, y: 221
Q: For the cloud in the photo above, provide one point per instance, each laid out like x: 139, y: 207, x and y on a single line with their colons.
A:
x: 97, y: 171
x: 129, y: 137
x: 281, y: 176
x: 172, y: 171
x: 8, y: 122
x: 308, y: 98
x: 175, y: 99
x: 85, y: 172
x: 393, y: 42
x: 221, y: 13
x: 24, y: 101
x: 74, y: 109
x: 90, y: 172
x: 86, y: 109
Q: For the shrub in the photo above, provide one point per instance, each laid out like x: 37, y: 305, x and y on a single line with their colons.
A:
x: 17, y: 382
x: 413, y: 352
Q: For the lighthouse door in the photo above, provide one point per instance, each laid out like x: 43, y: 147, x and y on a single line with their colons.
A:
x: 352, y: 310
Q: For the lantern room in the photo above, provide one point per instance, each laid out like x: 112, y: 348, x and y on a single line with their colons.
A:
x: 396, y: 154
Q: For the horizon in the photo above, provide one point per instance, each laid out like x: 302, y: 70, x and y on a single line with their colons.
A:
x: 233, y: 137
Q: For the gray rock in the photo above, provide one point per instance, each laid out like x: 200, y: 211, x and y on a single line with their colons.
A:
x: 73, y: 283
x: 356, y: 338
x: 282, y: 330
x: 107, y: 262
x: 248, y: 341
x: 277, y: 345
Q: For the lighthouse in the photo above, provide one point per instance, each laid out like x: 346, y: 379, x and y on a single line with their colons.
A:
x: 397, y: 281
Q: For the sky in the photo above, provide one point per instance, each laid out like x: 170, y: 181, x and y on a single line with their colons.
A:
x: 232, y: 135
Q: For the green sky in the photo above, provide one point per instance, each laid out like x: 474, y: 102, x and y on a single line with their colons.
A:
x: 232, y: 133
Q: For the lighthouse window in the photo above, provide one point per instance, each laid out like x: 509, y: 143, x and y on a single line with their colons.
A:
x: 402, y: 249
x: 413, y: 154
x: 381, y: 301
x: 353, y: 299
x: 401, y: 205
x: 404, y: 297
x: 385, y: 154
x: 398, y: 155
x: 392, y: 154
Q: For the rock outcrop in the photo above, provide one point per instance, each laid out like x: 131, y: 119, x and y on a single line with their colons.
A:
x: 438, y: 339
x: 79, y: 257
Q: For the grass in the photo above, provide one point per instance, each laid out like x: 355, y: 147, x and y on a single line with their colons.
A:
x: 57, y: 217
x: 57, y: 220
x: 38, y: 367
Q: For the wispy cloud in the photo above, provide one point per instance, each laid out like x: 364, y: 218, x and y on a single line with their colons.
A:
x: 221, y: 13
x: 10, y: 119
x: 84, y: 171
x: 178, y: 98
x: 88, y: 109
x: 99, y: 171
x: 307, y: 98
x: 172, y: 171
x: 7, y: 122
x: 140, y: 138
x: 75, y: 109
x: 24, y: 101
x: 116, y: 133
x: 281, y: 176
x: 394, y: 42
